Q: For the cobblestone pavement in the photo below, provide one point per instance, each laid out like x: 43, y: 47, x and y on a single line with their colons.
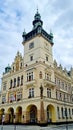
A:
x: 51, y: 127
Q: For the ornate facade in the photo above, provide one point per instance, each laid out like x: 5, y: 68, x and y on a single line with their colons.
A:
x: 34, y: 88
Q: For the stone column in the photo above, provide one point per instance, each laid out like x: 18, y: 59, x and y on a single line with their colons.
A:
x: 6, y: 118
x: 0, y: 118
x: 23, y: 117
x: 42, y: 112
x: 27, y: 117
x: 16, y: 118
x: 38, y: 116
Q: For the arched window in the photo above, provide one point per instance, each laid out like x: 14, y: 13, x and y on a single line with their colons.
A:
x: 58, y: 112
x: 62, y: 111
x: 14, y: 82
x: 22, y: 80
x: 69, y: 113
x: 56, y: 95
x: 72, y: 111
x: 18, y: 81
x: 11, y: 83
x: 66, y: 115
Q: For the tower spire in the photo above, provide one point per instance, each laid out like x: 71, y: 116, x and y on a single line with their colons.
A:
x: 37, y: 10
x: 37, y: 20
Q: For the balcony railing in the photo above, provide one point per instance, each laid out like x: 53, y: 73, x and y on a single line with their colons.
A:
x: 29, y: 83
x: 49, y: 82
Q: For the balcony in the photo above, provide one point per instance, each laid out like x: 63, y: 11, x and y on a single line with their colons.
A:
x: 30, y: 83
x: 49, y: 83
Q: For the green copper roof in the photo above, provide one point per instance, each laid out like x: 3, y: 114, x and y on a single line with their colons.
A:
x: 37, y: 29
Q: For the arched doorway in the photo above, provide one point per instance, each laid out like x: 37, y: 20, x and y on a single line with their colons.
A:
x: 32, y: 114
x: 51, y: 115
x: 19, y: 114
x: 2, y: 112
x: 11, y: 114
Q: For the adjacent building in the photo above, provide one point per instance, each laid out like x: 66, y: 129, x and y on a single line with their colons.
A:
x: 34, y: 88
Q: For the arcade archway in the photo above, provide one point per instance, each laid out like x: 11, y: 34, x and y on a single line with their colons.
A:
x: 51, y: 117
x: 11, y: 114
x: 31, y: 113
x: 2, y: 112
x: 19, y: 114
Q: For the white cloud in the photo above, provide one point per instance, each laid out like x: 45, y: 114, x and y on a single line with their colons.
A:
x: 17, y: 15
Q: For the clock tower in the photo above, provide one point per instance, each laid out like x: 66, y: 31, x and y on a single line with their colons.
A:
x: 37, y: 44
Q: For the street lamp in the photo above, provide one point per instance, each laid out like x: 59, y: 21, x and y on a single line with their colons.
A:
x: 23, y: 119
x: 14, y: 123
x: 65, y: 112
x: 3, y: 118
x: 66, y: 118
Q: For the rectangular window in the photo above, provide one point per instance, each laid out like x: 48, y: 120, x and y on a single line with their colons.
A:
x: 3, y: 98
x: 63, y: 85
x: 60, y: 98
x: 30, y: 76
x: 46, y: 58
x: 47, y: 76
x: 31, y: 45
x: 19, y: 96
x: 21, y: 65
x: 48, y: 92
x: 58, y: 112
x: 11, y: 97
x: 4, y: 86
x: 55, y: 80
x: 31, y: 58
x: 56, y: 95
x: 72, y: 111
x: 31, y: 92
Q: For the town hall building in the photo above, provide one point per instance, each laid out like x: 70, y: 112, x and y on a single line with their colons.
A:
x: 35, y: 89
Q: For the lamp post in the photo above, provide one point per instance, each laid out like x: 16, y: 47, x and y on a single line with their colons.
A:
x: 3, y: 117
x: 14, y: 123
x: 65, y: 113
x: 66, y: 118
x: 23, y: 118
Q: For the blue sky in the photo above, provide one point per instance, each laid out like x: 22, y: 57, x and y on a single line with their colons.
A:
x: 17, y: 15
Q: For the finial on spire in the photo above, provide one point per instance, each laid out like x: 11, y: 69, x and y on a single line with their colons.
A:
x: 37, y: 8
x: 37, y: 20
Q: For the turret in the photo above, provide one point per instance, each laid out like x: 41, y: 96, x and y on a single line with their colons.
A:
x: 37, y: 20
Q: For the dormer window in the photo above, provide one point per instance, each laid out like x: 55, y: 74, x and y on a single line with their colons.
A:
x: 31, y: 45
